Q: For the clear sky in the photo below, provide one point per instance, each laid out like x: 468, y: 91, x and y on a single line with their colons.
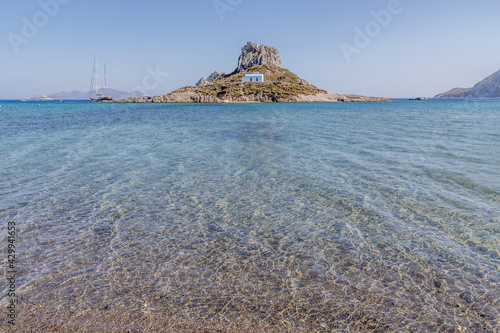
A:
x: 389, y: 48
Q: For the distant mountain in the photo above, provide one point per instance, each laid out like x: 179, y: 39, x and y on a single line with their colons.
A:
x: 79, y: 95
x: 487, y: 88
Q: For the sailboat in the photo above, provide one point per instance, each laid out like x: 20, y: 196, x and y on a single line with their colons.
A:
x: 94, y: 89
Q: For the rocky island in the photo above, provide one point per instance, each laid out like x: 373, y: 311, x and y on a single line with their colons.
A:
x: 487, y: 88
x: 259, y: 77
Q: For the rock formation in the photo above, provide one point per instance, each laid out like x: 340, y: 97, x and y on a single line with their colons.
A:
x: 214, y: 76
x: 281, y: 85
x: 253, y: 54
x: 487, y: 88
x: 202, y: 82
x: 191, y: 96
x: 304, y: 83
x: 455, y: 93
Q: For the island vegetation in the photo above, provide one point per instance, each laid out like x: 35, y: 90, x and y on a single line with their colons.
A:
x: 279, y: 85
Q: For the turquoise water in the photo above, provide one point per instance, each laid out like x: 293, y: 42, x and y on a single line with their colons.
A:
x: 375, y: 216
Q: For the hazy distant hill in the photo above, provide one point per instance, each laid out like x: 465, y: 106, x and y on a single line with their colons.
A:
x: 487, y: 88
x: 79, y: 95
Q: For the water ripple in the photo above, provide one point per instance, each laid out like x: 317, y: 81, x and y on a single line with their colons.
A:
x: 307, y: 217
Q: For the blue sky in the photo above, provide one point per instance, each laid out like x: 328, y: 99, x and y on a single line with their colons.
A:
x: 421, y: 48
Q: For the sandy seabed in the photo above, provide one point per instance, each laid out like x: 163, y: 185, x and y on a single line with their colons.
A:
x: 222, y: 286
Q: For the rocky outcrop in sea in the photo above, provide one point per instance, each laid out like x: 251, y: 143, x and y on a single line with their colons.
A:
x: 194, y: 97
x: 279, y: 86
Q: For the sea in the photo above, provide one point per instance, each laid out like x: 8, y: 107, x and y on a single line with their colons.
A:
x: 334, y: 217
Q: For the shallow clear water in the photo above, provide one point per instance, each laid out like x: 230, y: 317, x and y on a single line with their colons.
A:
x: 375, y: 216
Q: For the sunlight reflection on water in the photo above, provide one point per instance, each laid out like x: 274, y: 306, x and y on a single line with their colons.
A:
x: 294, y: 217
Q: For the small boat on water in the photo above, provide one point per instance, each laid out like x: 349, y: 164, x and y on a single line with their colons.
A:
x: 94, y: 88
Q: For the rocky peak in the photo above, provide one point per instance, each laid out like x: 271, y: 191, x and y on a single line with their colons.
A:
x: 254, y: 54
x: 214, y: 76
x: 487, y: 88
x: 202, y: 82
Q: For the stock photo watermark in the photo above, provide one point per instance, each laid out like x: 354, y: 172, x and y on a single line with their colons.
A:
x: 31, y: 26
x: 152, y: 80
x: 11, y: 272
x: 372, y: 29
x: 224, y: 6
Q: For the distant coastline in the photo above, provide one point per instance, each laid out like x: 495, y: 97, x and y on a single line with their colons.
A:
x: 487, y: 88
x: 76, y: 95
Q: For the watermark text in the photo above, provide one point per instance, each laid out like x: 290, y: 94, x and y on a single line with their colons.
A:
x: 363, y: 37
x: 31, y: 26
x: 224, y: 6
x: 152, y: 80
x: 11, y: 273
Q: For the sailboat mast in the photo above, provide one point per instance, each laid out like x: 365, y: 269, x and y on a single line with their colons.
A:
x: 92, y: 79
x: 95, y: 77
x: 94, y: 87
x: 105, y: 86
x: 93, y: 82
